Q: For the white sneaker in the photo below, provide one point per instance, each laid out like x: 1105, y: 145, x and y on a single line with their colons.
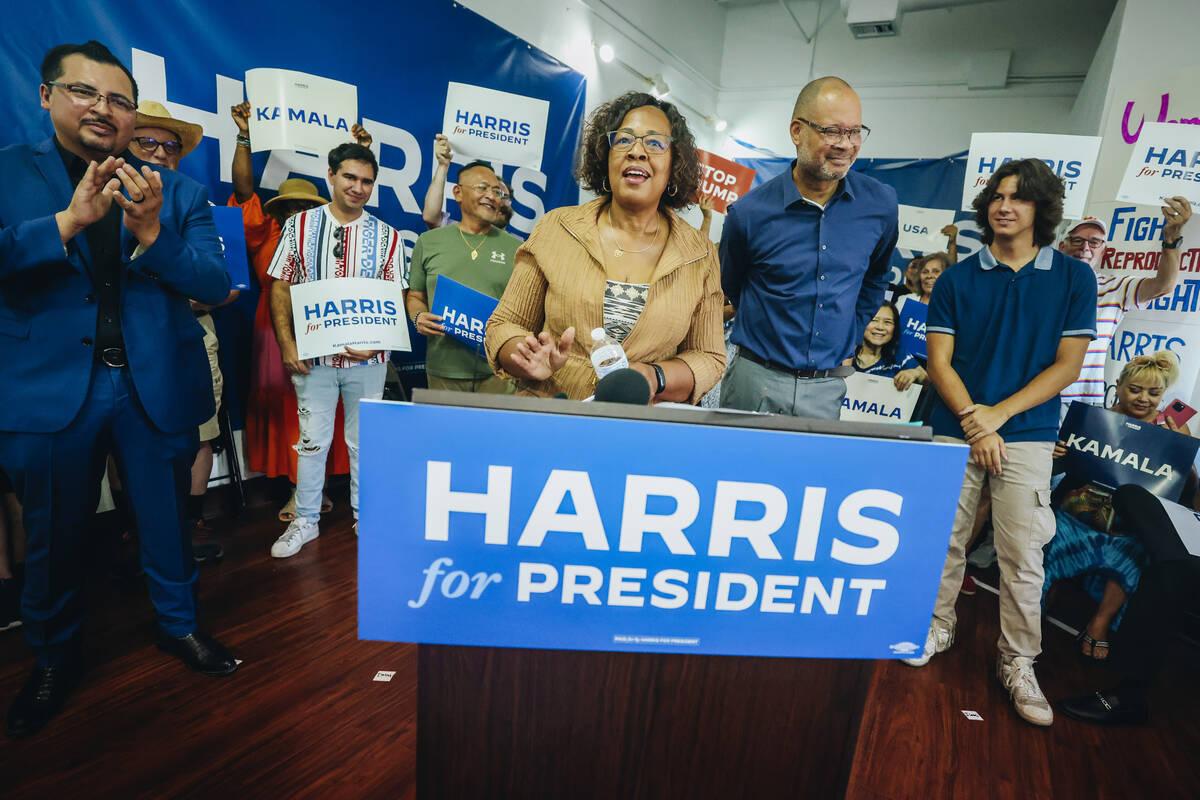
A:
x: 938, y: 640
x: 299, y: 533
x: 1017, y: 676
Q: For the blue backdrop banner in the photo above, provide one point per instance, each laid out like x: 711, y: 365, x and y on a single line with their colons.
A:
x: 503, y: 528
x: 193, y: 58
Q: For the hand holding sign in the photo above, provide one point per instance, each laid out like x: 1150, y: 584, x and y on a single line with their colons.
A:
x: 1176, y: 213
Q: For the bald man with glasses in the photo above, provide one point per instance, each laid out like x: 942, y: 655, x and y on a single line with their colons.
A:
x: 805, y: 259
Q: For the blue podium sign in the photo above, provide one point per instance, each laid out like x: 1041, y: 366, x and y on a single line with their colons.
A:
x: 518, y: 529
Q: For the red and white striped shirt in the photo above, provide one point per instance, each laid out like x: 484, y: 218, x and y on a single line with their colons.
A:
x: 1115, y: 295
x: 308, y: 251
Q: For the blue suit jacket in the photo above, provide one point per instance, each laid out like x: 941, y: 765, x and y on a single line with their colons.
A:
x: 48, y: 312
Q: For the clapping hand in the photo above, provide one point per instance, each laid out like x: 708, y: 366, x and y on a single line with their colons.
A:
x: 92, y: 198
x: 144, y: 202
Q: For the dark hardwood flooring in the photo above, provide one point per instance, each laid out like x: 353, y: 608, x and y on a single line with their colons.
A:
x: 303, y: 716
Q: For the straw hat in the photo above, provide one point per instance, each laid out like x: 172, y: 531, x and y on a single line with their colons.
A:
x: 296, y: 189
x: 153, y: 115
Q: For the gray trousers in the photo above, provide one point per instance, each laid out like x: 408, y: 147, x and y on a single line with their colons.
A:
x: 750, y: 386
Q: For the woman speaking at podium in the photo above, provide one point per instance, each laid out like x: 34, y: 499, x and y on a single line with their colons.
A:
x: 624, y: 261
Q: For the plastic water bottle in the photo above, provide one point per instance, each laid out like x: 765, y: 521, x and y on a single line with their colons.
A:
x: 607, y: 353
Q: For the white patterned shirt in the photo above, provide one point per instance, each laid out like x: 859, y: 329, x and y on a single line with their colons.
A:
x: 1115, y: 294
x: 308, y: 248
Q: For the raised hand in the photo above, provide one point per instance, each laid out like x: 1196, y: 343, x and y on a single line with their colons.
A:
x: 360, y: 135
x: 241, y: 117
x: 441, y: 150
x: 1176, y: 213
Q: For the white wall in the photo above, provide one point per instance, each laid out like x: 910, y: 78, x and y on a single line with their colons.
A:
x: 914, y: 86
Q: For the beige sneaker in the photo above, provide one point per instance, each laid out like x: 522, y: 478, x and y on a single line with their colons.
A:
x: 938, y: 640
x: 1017, y: 676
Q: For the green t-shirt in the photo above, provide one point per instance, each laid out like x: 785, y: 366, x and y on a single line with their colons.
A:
x: 442, y: 251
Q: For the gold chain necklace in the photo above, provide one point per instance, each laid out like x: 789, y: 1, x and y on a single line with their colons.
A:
x: 619, y: 251
x: 474, y: 250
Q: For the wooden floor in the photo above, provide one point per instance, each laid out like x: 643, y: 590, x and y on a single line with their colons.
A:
x: 303, y: 716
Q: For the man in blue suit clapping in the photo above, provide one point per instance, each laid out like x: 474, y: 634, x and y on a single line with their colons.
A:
x: 99, y: 254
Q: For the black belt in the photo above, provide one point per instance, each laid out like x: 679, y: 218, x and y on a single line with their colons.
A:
x: 836, y: 372
x: 112, y: 357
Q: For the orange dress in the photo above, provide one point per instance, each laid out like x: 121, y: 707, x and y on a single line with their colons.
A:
x: 272, y: 427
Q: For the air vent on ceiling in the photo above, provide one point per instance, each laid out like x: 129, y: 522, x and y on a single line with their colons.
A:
x: 873, y: 30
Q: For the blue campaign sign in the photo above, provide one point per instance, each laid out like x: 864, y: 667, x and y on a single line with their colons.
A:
x: 912, y: 327
x: 1111, y: 450
x: 519, y: 529
x: 233, y: 242
x: 464, y: 312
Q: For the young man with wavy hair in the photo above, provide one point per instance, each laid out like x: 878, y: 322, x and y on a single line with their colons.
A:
x: 1007, y: 331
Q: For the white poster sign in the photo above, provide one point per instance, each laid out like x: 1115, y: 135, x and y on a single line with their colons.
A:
x: 872, y: 398
x: 1187, y: 524
x: 362, y: 313
x: 1165, y: 162
x: 1072, y: 158
x: 292, y: 110
x: 495, y: 126
x: 921, y: 228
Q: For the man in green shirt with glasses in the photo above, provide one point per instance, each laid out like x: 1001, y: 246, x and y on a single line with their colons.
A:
x: 475, y: 253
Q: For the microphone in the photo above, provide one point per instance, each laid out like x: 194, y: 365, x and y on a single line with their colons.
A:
x: 623, y: 386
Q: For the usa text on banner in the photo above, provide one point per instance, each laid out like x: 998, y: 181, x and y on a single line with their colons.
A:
x: 1111, y: 450
x: 292, y: 110
x: 1073, y: 158
x: 1187, y: 524
x: 1164, y: 163
x: 363, y: 313
x: 921, y: 228
x: 495, y: 126
x: 233, y: 242
x: 464, y: 312
x: 912, y: 327
x: 873, y: 398
x: 555, y: 531
x: 723, y: 180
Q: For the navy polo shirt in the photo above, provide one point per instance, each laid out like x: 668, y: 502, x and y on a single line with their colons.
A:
x: 806, y: 280
x: 1006, y: 327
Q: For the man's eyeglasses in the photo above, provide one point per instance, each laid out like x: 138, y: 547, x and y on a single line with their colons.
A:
x: 339, y: 249
x: 833, y: 134
x: 150, y: 144
x: 495, y: 191
x: 1079, y: 241
x: 83, y: 94
x: 654, y: 143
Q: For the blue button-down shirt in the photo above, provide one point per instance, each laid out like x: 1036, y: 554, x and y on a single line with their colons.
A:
x: 1007, y: 325
x: 805, y: 280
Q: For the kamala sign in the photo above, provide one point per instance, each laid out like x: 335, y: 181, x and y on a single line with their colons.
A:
x: 481, y: 527
x: 292, y: 110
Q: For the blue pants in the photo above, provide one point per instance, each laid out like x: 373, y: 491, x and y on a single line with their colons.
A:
x: 57, y: 478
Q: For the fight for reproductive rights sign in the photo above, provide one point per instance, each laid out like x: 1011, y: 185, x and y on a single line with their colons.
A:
x: 541, y: 530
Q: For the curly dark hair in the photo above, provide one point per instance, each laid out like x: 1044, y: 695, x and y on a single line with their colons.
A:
x: 1036, y: 182
x: 352, y: 151
x: 592, y: 169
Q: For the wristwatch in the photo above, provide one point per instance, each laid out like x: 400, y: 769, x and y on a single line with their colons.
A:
x: 1172, y: 245
x: 661, y: 377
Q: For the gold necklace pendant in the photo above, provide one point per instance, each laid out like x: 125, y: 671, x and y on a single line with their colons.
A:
x: 618, y: 252
x: 474, y: 254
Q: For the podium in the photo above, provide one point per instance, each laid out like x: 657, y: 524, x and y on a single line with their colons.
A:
x: 498, y: 722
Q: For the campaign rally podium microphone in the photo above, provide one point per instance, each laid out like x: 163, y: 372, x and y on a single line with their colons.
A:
x: 623, y: 386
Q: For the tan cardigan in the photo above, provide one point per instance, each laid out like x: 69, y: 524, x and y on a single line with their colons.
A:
x: 558, y: 281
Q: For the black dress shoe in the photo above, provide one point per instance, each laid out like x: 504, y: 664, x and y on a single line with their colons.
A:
x: 1106, y: 708
x: 207, y: 552
x: 42, y: 697
x: 199, y: 651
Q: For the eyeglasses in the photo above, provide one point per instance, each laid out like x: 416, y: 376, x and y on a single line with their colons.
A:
x: 1079, y: 241
x: 834, y: 134
x: 339, y: 249
x: 83, y: 94
x: 150, y: 144
x: 495, y: 191
x: 654, y: 143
